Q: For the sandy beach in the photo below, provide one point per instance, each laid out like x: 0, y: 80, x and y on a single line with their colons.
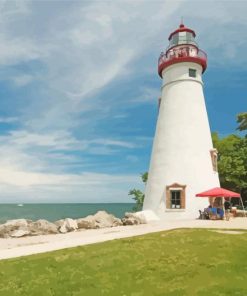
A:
x: 16, y: 247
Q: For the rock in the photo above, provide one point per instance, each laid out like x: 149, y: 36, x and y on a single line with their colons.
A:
x: 63, y: 228
x: 17, y: 223
x: 71, y: 224
x: 42, y: 227
x: 117, y: 222
x: 86, y: 223
x: 130, y: 221
x: 20, y: 233
x: 23, y: 227
x: 133, y: 219
x: 103, y: 220
x: 67, y: 225
x: 59, y: 223
x: 4, y: 231
x: 11, y: 226
x: 100, y: 220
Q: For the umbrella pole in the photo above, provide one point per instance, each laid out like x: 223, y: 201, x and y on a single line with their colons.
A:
x: 223, y: 208
x: 242, y: 206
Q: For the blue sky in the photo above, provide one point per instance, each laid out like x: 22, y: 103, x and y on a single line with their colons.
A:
x: 79, y: 89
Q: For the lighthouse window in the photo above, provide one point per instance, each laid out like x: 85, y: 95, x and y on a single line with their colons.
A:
x: 214, y: 158
x: 174, y: 40
x: 192, y: 72
x: 175, y: 199
x: 175, y: 196
x: 189, y: 36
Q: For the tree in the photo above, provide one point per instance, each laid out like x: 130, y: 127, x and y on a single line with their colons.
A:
x: 232, y: 160
x: 138, y: 195
x: 232, y: 163
x: 144, y: 177
x: 242, y: 121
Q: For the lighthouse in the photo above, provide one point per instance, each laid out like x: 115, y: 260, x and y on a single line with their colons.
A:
x: 183, y: 160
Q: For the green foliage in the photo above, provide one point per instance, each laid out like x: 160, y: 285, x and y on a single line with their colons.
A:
x: 232, y: 162
x: 138, y: 195
x: 242, y: 120
x: 182, y: 262
x: 144, y: 177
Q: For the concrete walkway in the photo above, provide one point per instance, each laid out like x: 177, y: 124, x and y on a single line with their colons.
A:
x: 16, y: 247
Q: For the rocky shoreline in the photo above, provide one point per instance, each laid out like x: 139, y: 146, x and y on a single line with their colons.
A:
x: 24, y: 227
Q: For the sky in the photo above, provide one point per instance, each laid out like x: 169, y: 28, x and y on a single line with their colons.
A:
x: 79, y: 90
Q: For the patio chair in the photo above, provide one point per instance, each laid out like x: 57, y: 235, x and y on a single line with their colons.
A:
x: 202, y: 215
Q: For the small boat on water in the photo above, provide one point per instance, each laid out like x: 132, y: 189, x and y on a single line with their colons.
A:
x: 20, y: 205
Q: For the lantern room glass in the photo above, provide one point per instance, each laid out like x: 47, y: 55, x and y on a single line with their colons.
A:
x: 182, y: 38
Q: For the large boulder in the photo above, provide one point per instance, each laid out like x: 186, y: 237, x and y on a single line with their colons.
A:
x: 17, y: 223
x: 87, y: 223
x: 100, y: 220
x: 103, y: 220
x: 20, y: 233
x: 5, y: 231
x: 59, y: 223
x: 41, y: 226
x: 71, y: 224
x: 66, y: 225
x: 133, y: 219
x: 8, y: 228
x: 63, y: 228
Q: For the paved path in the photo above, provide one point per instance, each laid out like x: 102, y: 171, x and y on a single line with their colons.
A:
x: 16, y: 247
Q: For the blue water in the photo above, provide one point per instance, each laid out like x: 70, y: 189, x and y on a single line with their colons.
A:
x: 53, y: 212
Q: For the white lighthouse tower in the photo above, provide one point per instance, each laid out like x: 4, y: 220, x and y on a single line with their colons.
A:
x: 183, y: 160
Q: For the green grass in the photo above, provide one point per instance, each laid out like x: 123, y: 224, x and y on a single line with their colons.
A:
x: 179, y: 262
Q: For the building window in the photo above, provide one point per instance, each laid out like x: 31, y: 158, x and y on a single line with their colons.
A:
x: 175, y: 196
x: 192, y: 72
x: 214, y: 158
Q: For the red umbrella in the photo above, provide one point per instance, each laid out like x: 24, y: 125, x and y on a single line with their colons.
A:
x: 218, y: 192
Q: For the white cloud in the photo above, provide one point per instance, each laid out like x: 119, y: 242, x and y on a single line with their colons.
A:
x: 16, y: 50
x: 12, y: 176
x: 26, y: 186
x: 50, y: 154
x: 148, y: 95
x: 31, y: 167
x: 8, y: 119
x: 59, y: 140
x: 111, y: 142
x: 22, y: 80
x: 221, y: 29
x: 11, y: 10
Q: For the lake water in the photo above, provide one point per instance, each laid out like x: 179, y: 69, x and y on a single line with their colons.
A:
x: 53, y: 212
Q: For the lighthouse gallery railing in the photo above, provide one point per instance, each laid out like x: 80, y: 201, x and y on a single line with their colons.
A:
x: 182, y: 52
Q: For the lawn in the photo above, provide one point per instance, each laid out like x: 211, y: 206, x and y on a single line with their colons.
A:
x: 178, y: 262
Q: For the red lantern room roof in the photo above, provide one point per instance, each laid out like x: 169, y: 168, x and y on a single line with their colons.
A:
x: 182, y: 28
